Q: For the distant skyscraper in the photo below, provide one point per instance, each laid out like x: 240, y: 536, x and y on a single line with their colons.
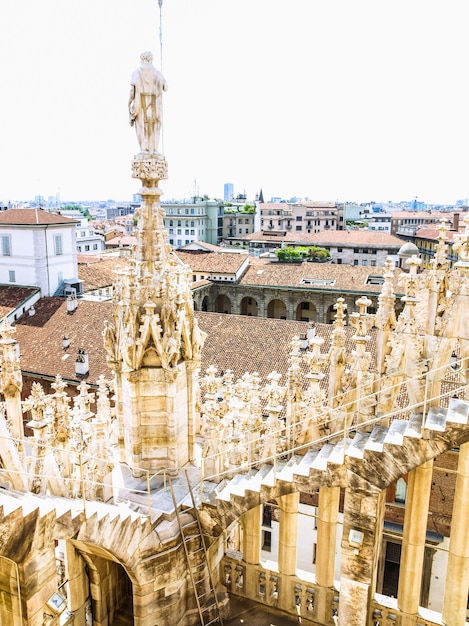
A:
x: 228, y: 192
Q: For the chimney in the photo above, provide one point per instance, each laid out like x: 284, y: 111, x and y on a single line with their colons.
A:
x: 455, y: 222
x: 311, y: 332
x: 72, y: 303
x: 81, y: 363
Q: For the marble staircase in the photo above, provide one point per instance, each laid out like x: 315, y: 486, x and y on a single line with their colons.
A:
x: 379, y: 456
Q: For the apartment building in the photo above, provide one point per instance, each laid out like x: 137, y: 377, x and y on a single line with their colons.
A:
x: 304, y: 217
x: 194, y: 220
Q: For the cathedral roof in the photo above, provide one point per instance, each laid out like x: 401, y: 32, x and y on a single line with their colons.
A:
x: 236, y: 342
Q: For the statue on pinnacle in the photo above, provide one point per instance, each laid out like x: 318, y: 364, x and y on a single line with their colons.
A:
x: 145, y: 104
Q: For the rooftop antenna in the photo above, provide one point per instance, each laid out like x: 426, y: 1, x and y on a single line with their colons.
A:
x: 160, y: 4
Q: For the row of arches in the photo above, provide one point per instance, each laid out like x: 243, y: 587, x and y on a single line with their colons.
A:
x: 276, y: 308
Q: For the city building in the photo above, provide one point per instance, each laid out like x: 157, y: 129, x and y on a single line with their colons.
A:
x: 406, y: 223
x: 88, y: 240
x: 195, y: 220
x: 237, y: 223
x: 39, y: 249
x: 228, y: 192
x: 263, y: 288
x: 304, y: 217
x: 349, y: 247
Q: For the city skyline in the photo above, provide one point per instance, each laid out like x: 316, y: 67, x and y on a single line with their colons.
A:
x: 322, y: 100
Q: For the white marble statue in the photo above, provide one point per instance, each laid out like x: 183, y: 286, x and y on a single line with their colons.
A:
x: 145, y: 103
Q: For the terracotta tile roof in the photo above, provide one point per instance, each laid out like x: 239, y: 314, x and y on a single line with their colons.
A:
x: 113, y: 228
x: 318, y: 205
x: 100, y: 272
x: 261, y: 272
x: 240, y: 343
x: 437, y: 215
x: 369, y: 238
x: 125, y: 240
x: 273, y: 206
x: 40, y: 338
x: 359, y: 236
x: 433, y: 233
x: 291, y: 275
x: 12, y: 297
x: 213, y: 262
x: 30, y: 217
x: 200, y: 245
x: 308, y: 204
x: 200, y: 283
x: 255, y: 344
x: 247, y: 344
x: 87, y: 259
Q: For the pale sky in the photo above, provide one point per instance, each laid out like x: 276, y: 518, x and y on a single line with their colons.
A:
x: 349, y: 100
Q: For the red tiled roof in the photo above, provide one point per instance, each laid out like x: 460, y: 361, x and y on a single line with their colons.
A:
x: 433, y: 233
x: 291, y: 275
x: 359, y: 236
x: 256, y: 344
x: 125, y: 240
x: 213, y: 262
x: 33, y: 217
x: 328, y: 238
x: 240, y: 343
x: 40, y: 338
x: 12, y: 296
x: 308, y: 204
x: 436, y: 215
x: 100, y: 272
x: 195, y: 246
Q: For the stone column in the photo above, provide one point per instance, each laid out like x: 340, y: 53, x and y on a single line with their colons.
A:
x: 77, y: 585
x: 363, y: 523
x: 252, y: 547
x: 457, y: 573
x: 328, y: 512
x: 291, y: 308
x: 413, y: 542
x: 288, y: 532
x: 252, y: 535
x: 235, y: 302
x: 192, y: 369
x: 261, y: 306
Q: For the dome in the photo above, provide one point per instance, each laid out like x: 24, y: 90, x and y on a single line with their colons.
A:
x: 408, y: 249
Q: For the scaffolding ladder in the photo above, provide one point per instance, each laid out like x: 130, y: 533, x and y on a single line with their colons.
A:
x: 197, y: 560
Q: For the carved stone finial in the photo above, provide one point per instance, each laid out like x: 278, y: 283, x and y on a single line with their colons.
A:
x: 461, y: 243
x: 411, y: 281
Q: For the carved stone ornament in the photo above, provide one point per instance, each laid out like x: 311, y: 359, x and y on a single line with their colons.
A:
x: 154, y: 168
